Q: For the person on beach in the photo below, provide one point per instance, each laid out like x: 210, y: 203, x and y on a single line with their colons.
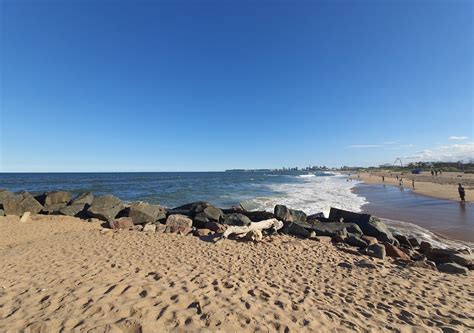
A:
x: 400, y: 183
x: 383, y: 178
x: 397, y: 177
x: 432, y: 172
x: 462, y: 192
x: 413, y: 183
x: 436, y: 173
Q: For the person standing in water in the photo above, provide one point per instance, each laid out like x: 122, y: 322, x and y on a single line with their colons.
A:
x: 462, y: 192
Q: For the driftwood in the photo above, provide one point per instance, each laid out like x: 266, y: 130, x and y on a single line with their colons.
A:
x: 266, y: 224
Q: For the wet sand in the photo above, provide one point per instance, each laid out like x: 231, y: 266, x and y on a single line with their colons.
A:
x: 449, y: 218
x: 444, y: 186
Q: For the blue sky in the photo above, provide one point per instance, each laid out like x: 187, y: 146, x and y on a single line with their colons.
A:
x: 210, y: 85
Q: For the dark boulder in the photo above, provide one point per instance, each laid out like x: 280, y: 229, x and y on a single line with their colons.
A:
x: 297, y: 229
x: 216, y: 227
x: 336, y: 214
x: 403, y: 240
x: 462, y: 259
x: 53, y: 201
x: 334, y: 229
x: 356, y: 241
x: 376, y: 251
x: 85, y: 198
x: 21, y: 203
x: 425, y: 247
x: 105, y: 207
x: 142, y: 213
x: 254, y: 216
x: 414, y: 242
x: 237, y: 220
x: 453, y: 268
x: 56, y: 197
x: 286, y: 214
x: 73, y: 210
x: 200, y: 220
x: 370, y: 226
x: 439, y: 256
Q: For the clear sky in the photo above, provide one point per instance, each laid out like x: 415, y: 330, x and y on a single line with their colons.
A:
x: 209, y: 85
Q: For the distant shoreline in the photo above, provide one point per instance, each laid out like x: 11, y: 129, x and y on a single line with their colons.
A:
x: 443, y: 186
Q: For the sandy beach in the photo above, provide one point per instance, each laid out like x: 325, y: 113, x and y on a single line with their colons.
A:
x: 444, y: 186
x: 64, y: 274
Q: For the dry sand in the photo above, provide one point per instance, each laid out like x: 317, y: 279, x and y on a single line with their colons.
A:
x: 443, y: 186
x: 61, y: 273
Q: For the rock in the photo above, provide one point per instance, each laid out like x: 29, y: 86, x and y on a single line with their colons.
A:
x: 354, y: 229
x: 21, y: 203
x: 25, y: 217
x: 202, y: 232
x: 200, y: 220
x: 345, y: 265
x: 121, y: 223
x: 426, y: 264
x: 370, y: 226
x: 56, y: 197
x: 253, y: 235
x: 105, y: 207
x: 414, y: 242
x: 149, y: 227
x: 376, y: 251
x: 178, y: 223
x: 440, y: 256
x: 216, y: 227
x: 73, y: 210
x: 323, y: 239
x: 257, y: 216
x: 85, y: 198
x: 2, y: 213
x: 312, y: 234
x: 315, y: 217
x: 237, y: 220
x: 365, y: 264
x: 254, y: 216
x: 297, y: 229
x: 142, y: 213
x: 4, y: 194
x: 192, y: 209
x: 451, y: 267
x: 403, y: 240
x: 466, y: 260
x: 425, y: 247
x: 395, y: 252
x: 94, y: 220
x: 289, y: 215
x: 369, y: 240
x: 52, y: 209
x: 336, y: 214
x: 356, y: 241
x: 212, y: 213
x: 333, y: 229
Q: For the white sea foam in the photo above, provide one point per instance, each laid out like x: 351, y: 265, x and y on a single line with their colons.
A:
x: 313, y: 194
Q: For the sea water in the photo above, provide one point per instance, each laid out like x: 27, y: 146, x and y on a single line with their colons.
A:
x: 311, y: 192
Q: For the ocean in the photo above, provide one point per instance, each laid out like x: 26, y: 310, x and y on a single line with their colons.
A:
x: 310, y: 192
